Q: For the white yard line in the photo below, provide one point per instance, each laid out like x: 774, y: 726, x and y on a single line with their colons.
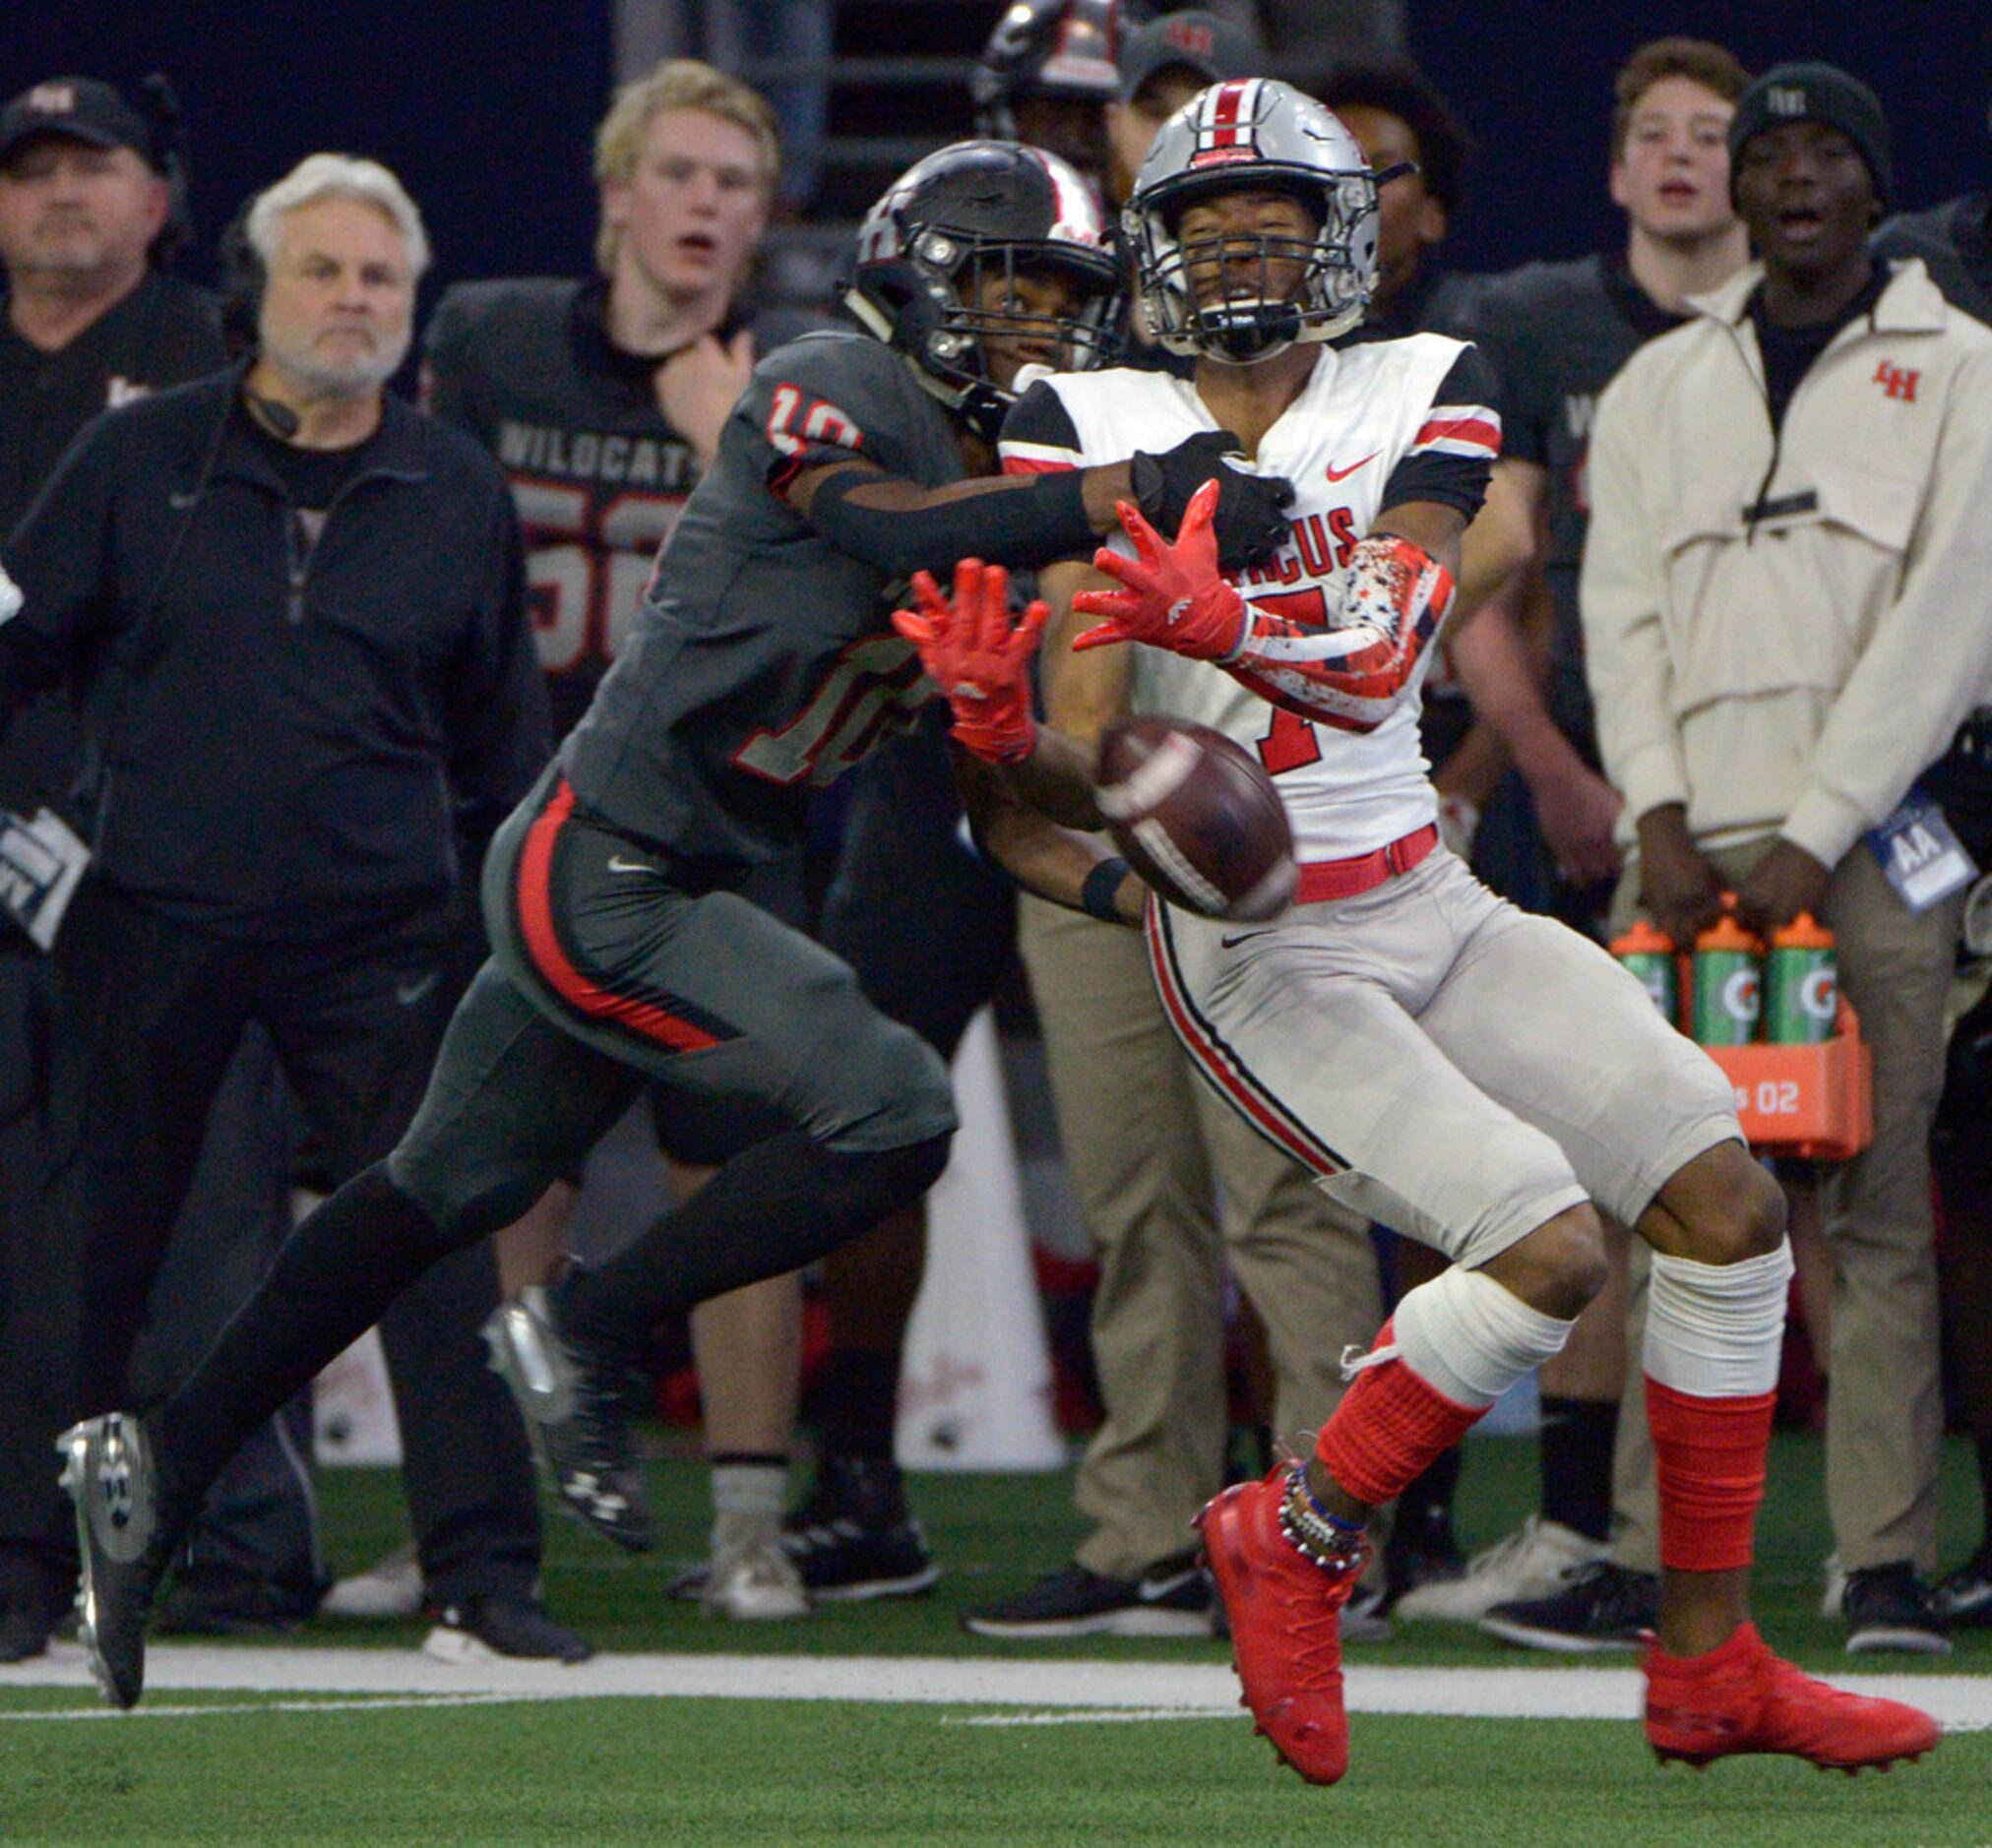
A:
x: 1043, y: 1690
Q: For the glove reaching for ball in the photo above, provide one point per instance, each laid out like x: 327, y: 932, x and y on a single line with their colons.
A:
x: 1347, y: 663
x: 978, y: 657
x: 1172, y: 596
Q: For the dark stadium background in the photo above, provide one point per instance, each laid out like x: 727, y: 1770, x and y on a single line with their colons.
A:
x: 486, y: 110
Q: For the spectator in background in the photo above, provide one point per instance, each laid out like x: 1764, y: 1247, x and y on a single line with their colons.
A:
x: 90, y: 210
x: 1406, y: 128
x: 1555, y: 334
x: 1046, y: 76
x: 1163, y: 65
x: 794, y: 36
x: 295, y: 611
x: 603, y: 402
x: 1787, y: 536
x: 1954, y: 240
x: 87, y: 214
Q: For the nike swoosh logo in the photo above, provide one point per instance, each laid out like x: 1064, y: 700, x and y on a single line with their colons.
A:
x: 617, y: 864
x: 1243, y: 937
x: 1155, y: 1590
x: 409, y: 992
x: 1343, y: 474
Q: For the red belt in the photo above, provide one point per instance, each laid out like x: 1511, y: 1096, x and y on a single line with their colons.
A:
x: 1364, y: 872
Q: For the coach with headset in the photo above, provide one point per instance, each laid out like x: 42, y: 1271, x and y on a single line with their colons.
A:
x: 293, y: 610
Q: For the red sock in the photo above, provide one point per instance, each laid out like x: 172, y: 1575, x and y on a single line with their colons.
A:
x: 1388, y: 1429
x: 1709, y: 1458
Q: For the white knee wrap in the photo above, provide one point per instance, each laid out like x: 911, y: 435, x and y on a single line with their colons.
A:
x: 1471, y: 1340
x: 1718, y: 1330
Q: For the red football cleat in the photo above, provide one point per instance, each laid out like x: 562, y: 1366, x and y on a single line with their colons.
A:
x: 1742, y: 1699
x: 1286, y: 1617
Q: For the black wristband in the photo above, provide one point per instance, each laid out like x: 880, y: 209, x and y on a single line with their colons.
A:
x: 1096, y: 896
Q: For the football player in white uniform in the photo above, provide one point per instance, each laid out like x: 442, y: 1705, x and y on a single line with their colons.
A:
x: 1471, y: 1074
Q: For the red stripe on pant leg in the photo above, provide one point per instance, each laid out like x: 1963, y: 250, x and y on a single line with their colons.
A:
x: 1214, y: 1065
x: 1389, y: 1427
x: 543, y: 945
x: 1708, y: 1456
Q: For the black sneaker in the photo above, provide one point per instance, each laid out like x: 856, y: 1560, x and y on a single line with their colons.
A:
x: 579, y: 1410
x: 500, y: 1623
x: 1171, y: 1599
x: 1964, y: 1599
x: 855, y: 1537
x: 108, y: 1471
x: 1888, y: 1608
x: 1602, y: 1606
x: 201, y: 1603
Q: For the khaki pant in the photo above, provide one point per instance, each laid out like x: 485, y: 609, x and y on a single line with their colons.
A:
x: 1148, y: 1146
x: 1884, y: 1408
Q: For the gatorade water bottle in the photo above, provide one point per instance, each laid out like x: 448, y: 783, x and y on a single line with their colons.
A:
x: 1803, y: 981
x: 1729, y: 985
x: 1648, y: 952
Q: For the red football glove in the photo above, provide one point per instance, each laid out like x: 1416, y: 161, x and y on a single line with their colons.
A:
x: 1174, y: 599
x: 977, y: 660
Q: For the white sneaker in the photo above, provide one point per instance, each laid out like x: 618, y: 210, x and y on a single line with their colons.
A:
x: 389, y: 1587
x: 751, y: 1578
x: 1530, y: 1562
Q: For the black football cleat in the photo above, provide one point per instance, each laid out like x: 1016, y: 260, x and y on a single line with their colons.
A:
x: 108, y: 1471
x: 856, y: 1538
x: 577, y: 1408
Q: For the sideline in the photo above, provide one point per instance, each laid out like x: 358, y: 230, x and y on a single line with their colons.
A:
x: 1049, y: 1691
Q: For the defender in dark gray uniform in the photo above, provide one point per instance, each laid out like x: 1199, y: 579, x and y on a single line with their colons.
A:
x: 763, y: 660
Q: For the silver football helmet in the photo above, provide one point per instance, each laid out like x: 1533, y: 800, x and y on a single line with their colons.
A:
x: 1249, y: 133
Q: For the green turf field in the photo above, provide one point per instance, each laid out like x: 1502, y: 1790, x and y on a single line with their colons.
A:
x: 504, y: 1765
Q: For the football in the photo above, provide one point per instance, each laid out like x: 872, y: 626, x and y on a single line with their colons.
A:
x: 1198, y: 818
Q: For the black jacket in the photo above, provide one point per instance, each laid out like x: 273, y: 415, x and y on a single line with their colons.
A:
x: 279, y: 758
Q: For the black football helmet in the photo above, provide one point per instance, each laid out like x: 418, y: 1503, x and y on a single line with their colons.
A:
x: 926, y: 247
x: 1046, y: 48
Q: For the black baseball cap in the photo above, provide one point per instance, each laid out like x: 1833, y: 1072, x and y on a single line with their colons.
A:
x: 1213, y: 49
x: 78, y: 108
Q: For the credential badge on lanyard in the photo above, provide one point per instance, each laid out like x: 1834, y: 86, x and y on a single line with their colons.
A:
x: 1920, y: 853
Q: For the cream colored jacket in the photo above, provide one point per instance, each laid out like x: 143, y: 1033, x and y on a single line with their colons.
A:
x: 1790, y: 675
